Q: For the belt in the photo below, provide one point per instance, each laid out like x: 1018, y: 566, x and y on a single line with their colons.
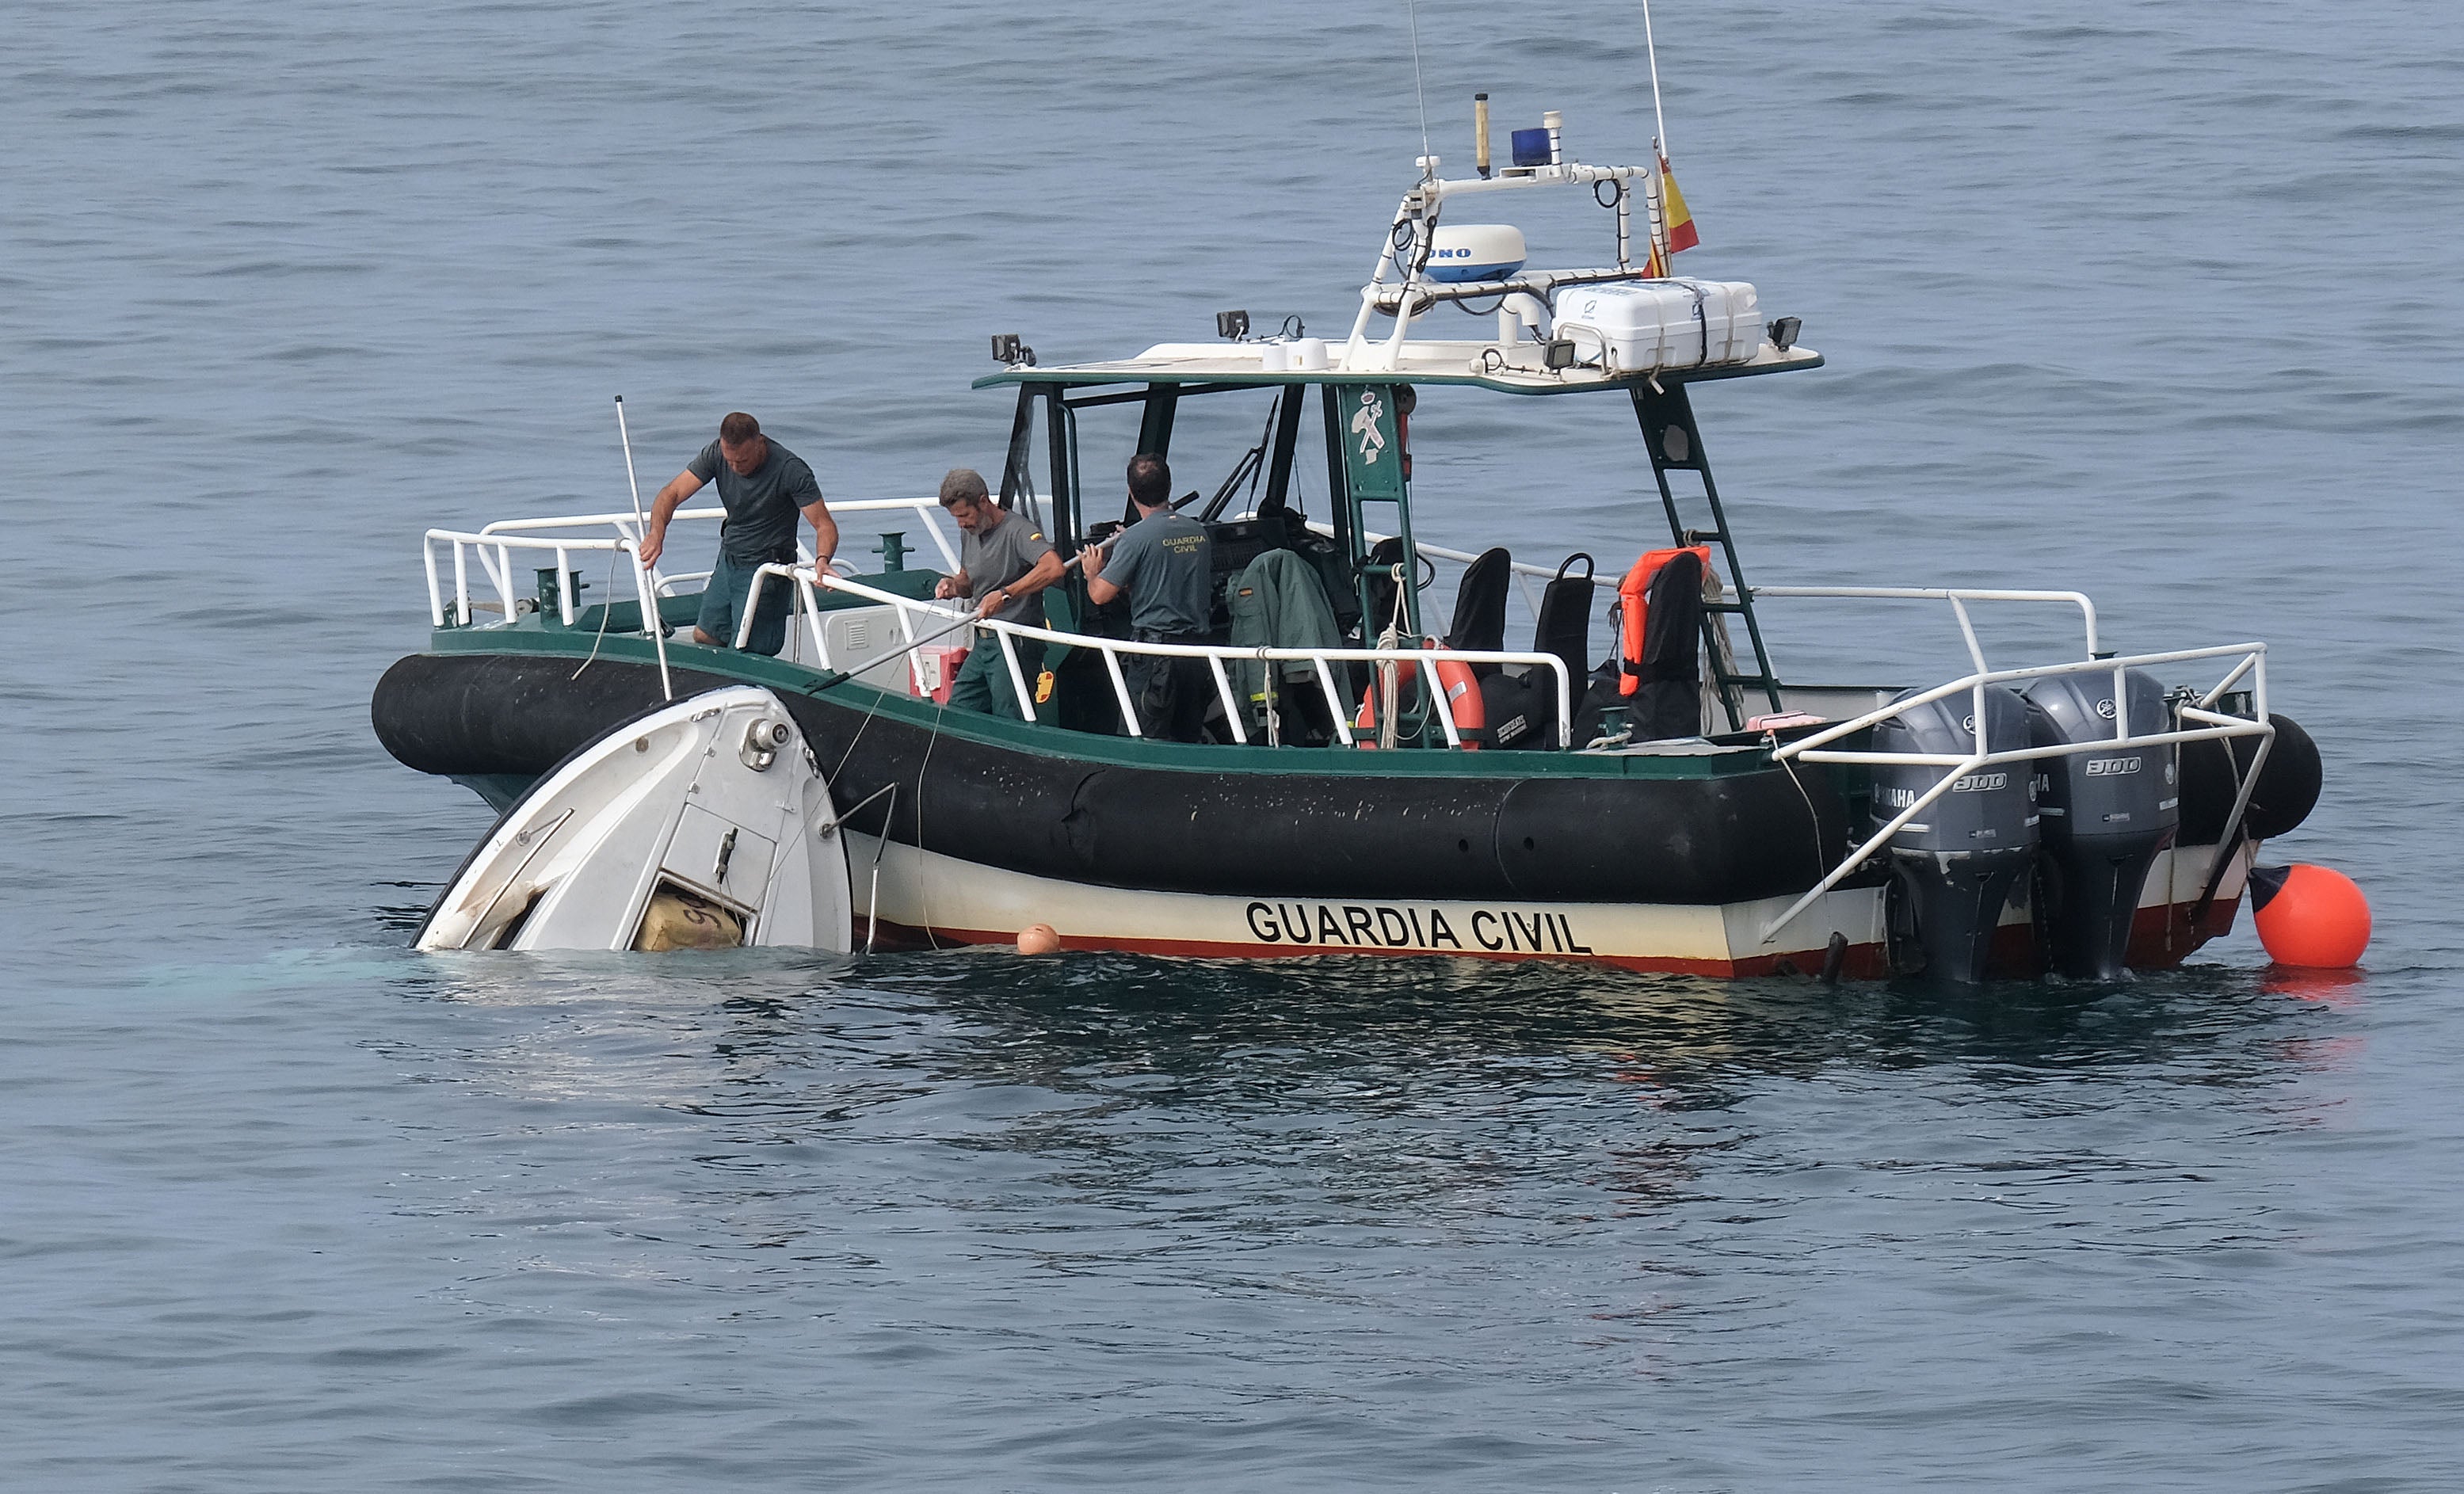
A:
x: 1158, y: 635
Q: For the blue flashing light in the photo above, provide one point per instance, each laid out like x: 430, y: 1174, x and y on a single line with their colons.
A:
x: 1531, y: 147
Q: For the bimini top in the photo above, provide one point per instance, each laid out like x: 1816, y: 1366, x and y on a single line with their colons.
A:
x: 1557, y: 331
x: 1490, y: 366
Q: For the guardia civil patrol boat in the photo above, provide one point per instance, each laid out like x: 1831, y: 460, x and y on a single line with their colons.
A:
x: 1604, y: 766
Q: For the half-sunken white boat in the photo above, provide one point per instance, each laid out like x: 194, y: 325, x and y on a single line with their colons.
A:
x: 1616, y: 771
x: 703, y: 823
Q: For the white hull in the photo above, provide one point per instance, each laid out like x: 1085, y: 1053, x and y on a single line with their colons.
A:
x: 917, y: 894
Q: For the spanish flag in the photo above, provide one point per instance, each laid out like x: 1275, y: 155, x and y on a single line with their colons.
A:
x: 1675, y: 221
x: 1680, y: 223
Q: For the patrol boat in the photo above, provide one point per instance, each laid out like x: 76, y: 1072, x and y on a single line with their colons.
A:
x: 1641, y: 786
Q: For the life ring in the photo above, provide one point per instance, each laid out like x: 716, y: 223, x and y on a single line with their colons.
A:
x: 1463, y: 703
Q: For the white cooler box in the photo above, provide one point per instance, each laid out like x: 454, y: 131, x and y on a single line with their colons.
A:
x: 1650, y: 325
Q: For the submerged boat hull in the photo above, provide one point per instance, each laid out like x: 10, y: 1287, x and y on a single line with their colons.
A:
x: 965, y: 829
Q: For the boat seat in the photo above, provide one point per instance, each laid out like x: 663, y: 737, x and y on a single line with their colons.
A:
x: 1480, y: 607
x: 1522, y: 709
x: 1665, y: 678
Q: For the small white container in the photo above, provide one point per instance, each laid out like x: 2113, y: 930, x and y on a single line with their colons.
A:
x: 1308, y: 354
x: 1650, y: 326
x: 1274, y: 357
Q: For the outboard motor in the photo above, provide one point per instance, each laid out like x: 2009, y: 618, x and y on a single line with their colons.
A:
x: 1956, y: 863
x: 2107, y: 815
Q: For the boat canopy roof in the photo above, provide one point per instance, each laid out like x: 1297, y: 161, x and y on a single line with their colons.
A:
x: 1550, y: 339
x: 1507, y: 368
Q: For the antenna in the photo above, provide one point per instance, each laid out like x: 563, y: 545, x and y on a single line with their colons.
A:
x: 1659, y: 120
x: 1412, y: 8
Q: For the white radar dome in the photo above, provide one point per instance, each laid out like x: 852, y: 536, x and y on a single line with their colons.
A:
x: 1476, y: 251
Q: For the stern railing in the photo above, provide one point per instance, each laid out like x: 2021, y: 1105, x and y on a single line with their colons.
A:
x: 2247, y: 661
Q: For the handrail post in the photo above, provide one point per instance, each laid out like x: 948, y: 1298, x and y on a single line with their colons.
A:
x: 1017, y: 673
x: 752, y: 605
x: 813, y: 619
x: 435, y: 598
x: 1231, y: 706
x: 1334, y: 708
x: 1121, y: 689
x: 649, y: 601
x: 1437, y: 691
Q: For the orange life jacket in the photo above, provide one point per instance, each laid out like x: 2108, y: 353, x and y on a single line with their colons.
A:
x: 1633, y: 609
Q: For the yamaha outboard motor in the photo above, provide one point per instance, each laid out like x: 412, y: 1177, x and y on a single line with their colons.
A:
x: 2107, y: 815
x: 1956, y: 863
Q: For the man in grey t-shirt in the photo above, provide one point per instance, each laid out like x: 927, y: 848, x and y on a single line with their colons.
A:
x: 1163, y: 564
x: 764, y: 486
x: 1003, y: 564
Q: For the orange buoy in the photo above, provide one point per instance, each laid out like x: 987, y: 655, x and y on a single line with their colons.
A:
x: 1038, y: 939
x: 2309, y: 916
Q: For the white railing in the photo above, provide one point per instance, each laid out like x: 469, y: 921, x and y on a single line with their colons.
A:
x: 1957, y: 595
x: 1216, y: 655
x: 928, y: 511
x: 2250, y: 662
x: 493, y: 545
x: 495, y: 555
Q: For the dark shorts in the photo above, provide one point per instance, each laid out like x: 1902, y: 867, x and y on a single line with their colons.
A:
x: 722, y: 605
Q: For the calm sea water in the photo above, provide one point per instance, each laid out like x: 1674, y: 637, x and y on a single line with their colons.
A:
x: 2154, y: 299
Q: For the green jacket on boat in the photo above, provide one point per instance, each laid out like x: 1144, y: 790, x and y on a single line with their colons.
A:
x: 1277, y: 602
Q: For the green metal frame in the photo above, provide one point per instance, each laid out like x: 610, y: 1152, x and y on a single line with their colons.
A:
x: 1675, y: 443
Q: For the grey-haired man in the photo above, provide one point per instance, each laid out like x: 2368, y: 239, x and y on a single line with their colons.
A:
x: 1003, y: 562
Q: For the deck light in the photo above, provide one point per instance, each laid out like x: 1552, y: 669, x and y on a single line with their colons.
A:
x: 1008, y: 349
x: 1232, y: 324
x: 1784, y: 331
x: 1558, y: 353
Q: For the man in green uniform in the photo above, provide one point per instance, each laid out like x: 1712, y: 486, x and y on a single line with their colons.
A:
x: 1162, y: 563
x: 1003, y: 564
x: 765, y: 486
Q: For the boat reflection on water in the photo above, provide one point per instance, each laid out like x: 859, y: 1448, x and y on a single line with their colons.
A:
x: 1408, y: 1032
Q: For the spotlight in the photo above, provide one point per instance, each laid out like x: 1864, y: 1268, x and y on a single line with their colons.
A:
x: 1232, y: 324
x: 1558, y: 354
x: 1784, y: 331
x: 1008, y: 349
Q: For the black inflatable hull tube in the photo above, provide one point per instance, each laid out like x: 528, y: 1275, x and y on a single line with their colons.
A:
x: 1714, y: 839
x: 2287, y: 790
x: 1958, y: 861
x: 2103, y: 817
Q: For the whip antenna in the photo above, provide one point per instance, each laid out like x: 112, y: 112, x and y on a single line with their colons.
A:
x: 1412, y: 9
x: 650, y: 583
x: 642, y: 525
x: 1659, y: 120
